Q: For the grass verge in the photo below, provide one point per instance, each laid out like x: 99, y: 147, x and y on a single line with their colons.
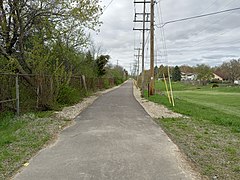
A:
x: 210, y: 136
x: 21, y: 138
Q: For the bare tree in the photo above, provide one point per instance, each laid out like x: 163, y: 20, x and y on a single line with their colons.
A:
x: 232, y: 69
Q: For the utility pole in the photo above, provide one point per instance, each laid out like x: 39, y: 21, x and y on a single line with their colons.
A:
x: 143, y: 21
x: 131, y: 69
x: 151, y: 88
x: 117, y: 63
x: 138, y: 60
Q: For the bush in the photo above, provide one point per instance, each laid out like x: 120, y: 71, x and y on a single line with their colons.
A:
x: 215, y: 85
x: 69, y: 95
x: 118, y: 80
x: 106, y: 84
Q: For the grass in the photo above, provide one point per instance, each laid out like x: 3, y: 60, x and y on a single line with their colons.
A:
x: 219, y: 105
x: 210, y: 136
x: 21, y: 138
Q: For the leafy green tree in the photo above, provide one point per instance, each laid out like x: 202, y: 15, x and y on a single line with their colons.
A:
x: 163, y: 70
x: 156, y: 71
x: 176, y: 74
x: 101, y: 62
x: 21, y: 20
x: 204, y: 73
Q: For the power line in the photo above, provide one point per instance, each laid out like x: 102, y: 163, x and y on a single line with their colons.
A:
x: 199, y: 16
x: 108, y: 5
x: 211, y: 5
x: 213, y: 22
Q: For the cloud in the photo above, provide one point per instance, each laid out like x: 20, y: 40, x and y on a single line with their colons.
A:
x: 220, y: 56
x: 209, y: 40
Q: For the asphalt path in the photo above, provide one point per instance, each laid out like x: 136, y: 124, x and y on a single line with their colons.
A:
x: 114, y: 138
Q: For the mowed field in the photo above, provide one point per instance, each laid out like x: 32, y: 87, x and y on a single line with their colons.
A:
x: 210, y: 133
x: 227, y: 102
x: 220, y: 105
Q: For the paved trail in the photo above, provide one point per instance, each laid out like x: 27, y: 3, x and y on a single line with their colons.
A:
x: 112, y: 139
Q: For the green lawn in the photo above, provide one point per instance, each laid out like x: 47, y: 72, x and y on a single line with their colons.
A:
x: 210, y: 133
x: 217, y: 105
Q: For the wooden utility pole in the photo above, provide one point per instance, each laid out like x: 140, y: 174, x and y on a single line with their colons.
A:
x: 138, y: 60
x: 143, y: 21
x: 143, y: 48
x: 151, y: 88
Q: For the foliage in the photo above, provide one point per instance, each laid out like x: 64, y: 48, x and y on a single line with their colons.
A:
x: 204, y: 73
x: 29, y: 26
x: 187, y: 69
x: 176, y: 74
x: 215, y: 85
x: 101, y: 62
x: 156, y: 71
x: 117, y: 73
x: 163, y: 70
x: 69, y: 95
x: 232, y: 69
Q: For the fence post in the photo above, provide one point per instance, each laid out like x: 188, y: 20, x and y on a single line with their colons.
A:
x: 84, y: 82
x: 17, y: 95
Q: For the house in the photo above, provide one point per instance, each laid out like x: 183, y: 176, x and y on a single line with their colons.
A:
x: 217, y: 77
x: 188, y: 76
x: 220, y: 75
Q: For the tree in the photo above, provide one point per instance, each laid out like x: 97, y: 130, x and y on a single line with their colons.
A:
x: 101, y: 62
x: 176, y: 74
x: 52, y: 21
x: 156, y: 71
x: 231, y: 69
x: 186, y: 69
x: 116, y: 72
x: 204, y: 73
x: 163, y: 70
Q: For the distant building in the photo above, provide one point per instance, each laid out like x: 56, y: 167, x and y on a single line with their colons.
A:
x: 237, y: 82
x: 217, y: 77
x: 188, y: 76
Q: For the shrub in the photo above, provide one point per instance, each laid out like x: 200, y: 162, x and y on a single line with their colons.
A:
x: 69, y: 95
x: 106, y: 84
x: 215, y: 85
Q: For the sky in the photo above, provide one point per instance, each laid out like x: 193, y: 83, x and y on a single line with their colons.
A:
x: 210, y: 40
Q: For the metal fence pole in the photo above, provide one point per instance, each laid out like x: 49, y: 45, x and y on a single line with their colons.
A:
x: 17, y: 96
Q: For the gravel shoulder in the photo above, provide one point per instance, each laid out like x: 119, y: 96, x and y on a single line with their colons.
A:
x: 154, y: 110
x: 157, y: 111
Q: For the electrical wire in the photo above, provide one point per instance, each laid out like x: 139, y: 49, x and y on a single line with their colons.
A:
x: 203, y: 27
x: 108, y: 5
x: 198, y: 16
x: 211, y: 5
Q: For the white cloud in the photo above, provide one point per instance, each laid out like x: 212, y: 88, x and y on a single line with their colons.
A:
x: 209, y: 40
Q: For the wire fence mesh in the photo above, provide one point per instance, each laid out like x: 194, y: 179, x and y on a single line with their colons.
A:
x: 45, y: 91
